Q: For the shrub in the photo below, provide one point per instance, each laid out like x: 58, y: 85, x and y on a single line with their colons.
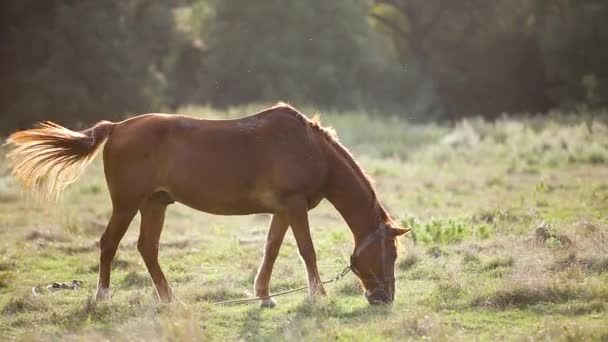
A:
x: 444, y: 231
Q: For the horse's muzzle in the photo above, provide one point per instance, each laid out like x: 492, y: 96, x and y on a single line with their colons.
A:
x: 381, y: 295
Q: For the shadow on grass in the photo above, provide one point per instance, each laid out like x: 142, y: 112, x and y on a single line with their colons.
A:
x: 321, y: 310
x: 330, y: 308
x: 308, y: 319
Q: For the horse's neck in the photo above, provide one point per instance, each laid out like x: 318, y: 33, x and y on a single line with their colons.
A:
x: 352, y: 196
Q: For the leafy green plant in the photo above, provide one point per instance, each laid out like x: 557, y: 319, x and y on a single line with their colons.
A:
x: 444, y: 231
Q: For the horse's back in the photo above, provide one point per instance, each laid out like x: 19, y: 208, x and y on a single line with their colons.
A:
x: 220, y: 166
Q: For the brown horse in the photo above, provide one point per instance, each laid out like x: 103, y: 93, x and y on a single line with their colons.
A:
x: 276, y: 161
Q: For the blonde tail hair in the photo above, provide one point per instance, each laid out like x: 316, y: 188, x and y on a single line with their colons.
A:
x: 50, y: 157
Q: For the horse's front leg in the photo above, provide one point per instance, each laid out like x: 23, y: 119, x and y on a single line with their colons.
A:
x: 298, y: 220
x: 276, y: 233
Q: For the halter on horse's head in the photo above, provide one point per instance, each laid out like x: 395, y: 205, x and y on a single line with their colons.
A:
x: 373, y: 261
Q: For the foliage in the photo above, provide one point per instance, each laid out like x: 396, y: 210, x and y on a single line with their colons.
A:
x: 314, y: 52
x: 443, y: 231
x: 481, y: 57
x: 81, y: 61
x: 575, y: 34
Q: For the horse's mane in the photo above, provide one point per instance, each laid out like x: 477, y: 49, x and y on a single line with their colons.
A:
x: 331, y: 137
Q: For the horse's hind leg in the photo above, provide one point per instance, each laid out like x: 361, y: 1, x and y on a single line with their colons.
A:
x: 117, y: 226
x: 276, y: 233
x: 152, y: 219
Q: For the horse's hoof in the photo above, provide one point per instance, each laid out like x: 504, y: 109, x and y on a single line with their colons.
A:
x: 319, y: 292
x: 166, y: 301
x: 166, y: 298
x: 268, y: 303
x: 102, y: 294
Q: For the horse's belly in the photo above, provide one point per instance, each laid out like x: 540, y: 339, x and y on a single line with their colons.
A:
x: 226, y: 205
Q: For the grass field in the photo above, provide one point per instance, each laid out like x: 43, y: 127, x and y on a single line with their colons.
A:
x: 510, y: 242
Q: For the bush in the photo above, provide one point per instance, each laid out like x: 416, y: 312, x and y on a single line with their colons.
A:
x: 443, y: 231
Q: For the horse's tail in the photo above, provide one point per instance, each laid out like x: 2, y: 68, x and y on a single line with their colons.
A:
x: 48, y: 158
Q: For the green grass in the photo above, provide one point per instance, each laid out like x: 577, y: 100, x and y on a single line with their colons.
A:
x: 475, y: 267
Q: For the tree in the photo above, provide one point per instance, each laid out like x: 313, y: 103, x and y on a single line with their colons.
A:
x: 80, y: 60
x: 312, y: 51
x: 480, y: 57
x: 575, y: 49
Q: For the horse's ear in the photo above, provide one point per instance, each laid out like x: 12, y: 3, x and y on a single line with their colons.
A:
x: 398, y: 231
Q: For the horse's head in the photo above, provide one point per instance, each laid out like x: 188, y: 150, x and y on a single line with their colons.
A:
x: 374, y: 263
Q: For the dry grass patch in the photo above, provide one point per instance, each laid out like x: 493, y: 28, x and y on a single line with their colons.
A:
x: 212, y: 295
x: 551, y: 330
x: 349, y: 287
x: 24, y: 303
x: 136, y: 279
x: 513, y: 294
x: 409, y: 261
x: 498, y: 262
x: 593, y: 263
x: 419, y: 325
x: 7, y: 265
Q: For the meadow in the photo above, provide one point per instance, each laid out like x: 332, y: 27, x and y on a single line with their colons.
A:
x: 509, y: 242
